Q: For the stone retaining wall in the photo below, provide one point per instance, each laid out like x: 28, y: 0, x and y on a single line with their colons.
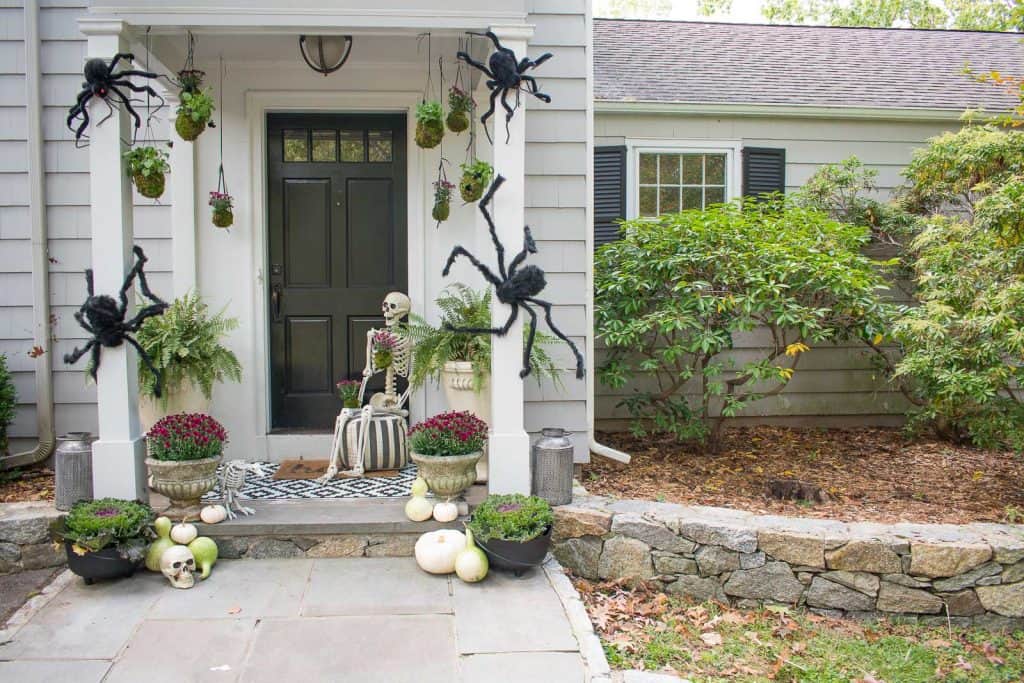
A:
x: 25, y: 537
x: 972, y: 574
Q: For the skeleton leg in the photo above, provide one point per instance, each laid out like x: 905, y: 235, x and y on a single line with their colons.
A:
x: 561, y: 335
x: 528, y: 349
x: 332, y: 467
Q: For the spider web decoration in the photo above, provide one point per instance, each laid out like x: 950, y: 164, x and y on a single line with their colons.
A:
x: 506, y: 73
x: 104, y: 81
x: 517, y: 286
x: 103, y: 318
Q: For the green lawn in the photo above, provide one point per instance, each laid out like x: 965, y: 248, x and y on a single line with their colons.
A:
x: 707, y: 643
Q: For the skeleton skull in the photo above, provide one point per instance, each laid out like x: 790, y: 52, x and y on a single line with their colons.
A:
x: 395, y: 307
x: 179, y: 565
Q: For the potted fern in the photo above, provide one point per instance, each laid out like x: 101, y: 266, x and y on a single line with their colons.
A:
x: 475, y: 177
x: 185, y: 344
x: 461, y: 363
x: 429, y: 124
x: 148, y: 167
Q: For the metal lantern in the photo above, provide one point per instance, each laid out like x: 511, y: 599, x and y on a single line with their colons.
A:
x: 553, y: 466
x: 72, y: 464
x: 325, y: 54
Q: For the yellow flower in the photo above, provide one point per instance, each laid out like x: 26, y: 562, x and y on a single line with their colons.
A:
x: 794, y: 349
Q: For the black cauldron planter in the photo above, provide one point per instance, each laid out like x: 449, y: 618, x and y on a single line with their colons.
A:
x: 516, y: 556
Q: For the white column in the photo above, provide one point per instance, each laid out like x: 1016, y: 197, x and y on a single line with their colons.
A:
x: 509, y: 444
x: 118, y: 468
x: 183, y: 205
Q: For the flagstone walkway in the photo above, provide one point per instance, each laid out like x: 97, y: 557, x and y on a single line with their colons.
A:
x: 360, y: 620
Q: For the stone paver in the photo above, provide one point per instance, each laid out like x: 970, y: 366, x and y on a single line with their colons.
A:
x: 352, y: 619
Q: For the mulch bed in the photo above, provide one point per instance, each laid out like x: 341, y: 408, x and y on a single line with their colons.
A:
x: 26, y: 484
x: 870, y: 475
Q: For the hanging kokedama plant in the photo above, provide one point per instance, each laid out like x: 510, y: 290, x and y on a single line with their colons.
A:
x: 442, y: 198
x: 429, y: 124
x: 459, y: 106
x: 194, y: 113
x: 475, y: 177
x: 147, y: 167
x: 223, y: 216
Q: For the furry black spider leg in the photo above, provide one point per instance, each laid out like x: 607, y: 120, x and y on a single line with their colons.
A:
x: 143, y: 282
x: 490, y: 112
x: 464, y: 56
x: 144, y: 89
x: 84, y: 112
x: 509, y: 113
x: 484, y: 270
x: 76, y: 353
x: 528, y: 348
x: 126, y: 101
x: 580, y: 369
x: 135, y: 323
x: 127, y: 56
x: 158, y: 383
x: 80, y: 318
x: 529, y: 247
x: 500, y: 331
x: 498, y: 246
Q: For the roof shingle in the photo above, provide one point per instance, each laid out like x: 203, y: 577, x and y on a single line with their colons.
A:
x: 713, y: 63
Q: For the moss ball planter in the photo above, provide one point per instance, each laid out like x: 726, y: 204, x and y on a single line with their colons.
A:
x: 223, y: 209
x: 148, y: 167
x: 459, y: 106
x: 188, y: 128
x: 442, y: 200
x: 194, y: 114
x: 223, y: 219
x: 151, y: 186
x: 457, y: 121
x: 475, y: 177
x: 429, y: 125
x: 441, y: 211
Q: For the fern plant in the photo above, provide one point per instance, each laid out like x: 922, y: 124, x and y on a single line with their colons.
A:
x: 184, y: 343
x: 462, y: 306
x: 8, y: 401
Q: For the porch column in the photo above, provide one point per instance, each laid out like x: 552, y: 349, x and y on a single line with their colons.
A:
x: 509, y: 449
x: 183, y: 205
x: 118, y: 468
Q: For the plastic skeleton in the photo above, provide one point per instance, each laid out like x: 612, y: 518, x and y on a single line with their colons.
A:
x: 231, y: 480
x: 388, y: 402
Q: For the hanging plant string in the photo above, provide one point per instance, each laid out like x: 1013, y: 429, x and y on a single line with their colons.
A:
x: 220, y: 200
x: 148, y: 138
x: 428, y: 82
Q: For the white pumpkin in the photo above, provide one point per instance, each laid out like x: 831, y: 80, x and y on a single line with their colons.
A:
x: 418, y: 509
x: 419, y: 487
x: 471, y: 564
x: 436, y: 550
x: 184, y: 533
x: 446, y: 511
x: 213, y: 514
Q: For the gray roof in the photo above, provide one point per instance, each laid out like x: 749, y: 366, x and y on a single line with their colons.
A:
x: 716, y: 63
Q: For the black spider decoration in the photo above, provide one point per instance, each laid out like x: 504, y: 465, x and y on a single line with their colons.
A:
x: 102, y: 81
x: 103, y: 318
x: 506, y: 73
x: 516, y: 287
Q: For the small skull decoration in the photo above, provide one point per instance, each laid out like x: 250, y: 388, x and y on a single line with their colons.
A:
x: 179, y: 566
x: 395, y: 307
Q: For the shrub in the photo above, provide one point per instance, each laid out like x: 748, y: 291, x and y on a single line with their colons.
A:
x: 512, y: 517
x: 8, y: 401
x: 186, y: 436
x: 672, y: 294
x: 92, y: 525
x: 184, y: 342
x: 451, y: 433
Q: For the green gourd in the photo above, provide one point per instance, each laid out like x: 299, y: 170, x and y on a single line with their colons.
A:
x: 471, y: 563
x: 162, y: 525
x: 204, y: 549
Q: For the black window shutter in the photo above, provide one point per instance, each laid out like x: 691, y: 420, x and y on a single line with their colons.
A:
x: 609, y: 192
x: 764, y: 170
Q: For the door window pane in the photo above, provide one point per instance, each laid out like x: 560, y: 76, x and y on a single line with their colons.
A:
x: 380, y: 146
x: 352, y: 149
x: 325, y: 145
x: 296, y: 145
x: 678, y: 181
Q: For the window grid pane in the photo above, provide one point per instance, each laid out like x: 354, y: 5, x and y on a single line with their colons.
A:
x: 325, y: 145
x: 353, y: 150
x: 671, y: 181
x: 296, y: 145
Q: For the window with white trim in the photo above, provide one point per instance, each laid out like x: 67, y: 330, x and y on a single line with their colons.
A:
x: 672, y: 181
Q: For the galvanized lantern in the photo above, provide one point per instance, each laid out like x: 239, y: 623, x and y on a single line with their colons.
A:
x: 553, y: 466
x: 72, y: 464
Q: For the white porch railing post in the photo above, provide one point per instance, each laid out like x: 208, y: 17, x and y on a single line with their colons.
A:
x: 509, y: 449
x: 183, y: 205
x: 119, y: 468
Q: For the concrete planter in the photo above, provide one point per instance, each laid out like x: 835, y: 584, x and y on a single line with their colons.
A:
x: 183, y: 481
x: 447, y: 475
x: 457, y: 381
x: 184, y: 399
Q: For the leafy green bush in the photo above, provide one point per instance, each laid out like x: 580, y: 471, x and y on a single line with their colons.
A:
x: 511, y: 517
x: 672, y: 294
x: 109, y: 522
x: 8, y: 401
x: 184, y: 342
x: 963, y: 345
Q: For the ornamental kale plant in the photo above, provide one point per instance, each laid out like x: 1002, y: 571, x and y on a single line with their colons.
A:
x: 672, y: 295
x: 186, y: 436
x: 512, y: 517
x: 109, y: 522
x: 451, y: 433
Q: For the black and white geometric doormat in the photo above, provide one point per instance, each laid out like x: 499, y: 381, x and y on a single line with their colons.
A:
x: 265, y: 487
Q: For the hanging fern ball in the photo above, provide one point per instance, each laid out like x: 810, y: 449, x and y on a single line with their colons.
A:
x: 148, y: 167
x: 475, y: 177
x: 459, y: 105
x: 429, y: 124
x: 194, y: 113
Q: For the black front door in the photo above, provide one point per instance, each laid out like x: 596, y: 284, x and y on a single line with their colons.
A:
x: 337, y: 222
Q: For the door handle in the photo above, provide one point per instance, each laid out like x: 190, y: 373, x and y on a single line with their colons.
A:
x: 275, y: 300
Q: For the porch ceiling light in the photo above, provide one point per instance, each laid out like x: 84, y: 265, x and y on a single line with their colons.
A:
x: 325, y: 54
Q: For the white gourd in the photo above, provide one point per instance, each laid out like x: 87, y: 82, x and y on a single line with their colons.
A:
x: 471, y: 564
x: 184, y: 533
x: 446, y: 511
x: 436, y: 550
x: 418, y: 509
x: 213, y: 514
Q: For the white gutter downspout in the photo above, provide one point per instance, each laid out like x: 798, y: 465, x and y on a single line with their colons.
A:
x: 40, y: 260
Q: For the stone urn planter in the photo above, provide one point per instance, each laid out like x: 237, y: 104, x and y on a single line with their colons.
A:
x: 184, y: 482
x: 457, y: 381
x: 447, y: 475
